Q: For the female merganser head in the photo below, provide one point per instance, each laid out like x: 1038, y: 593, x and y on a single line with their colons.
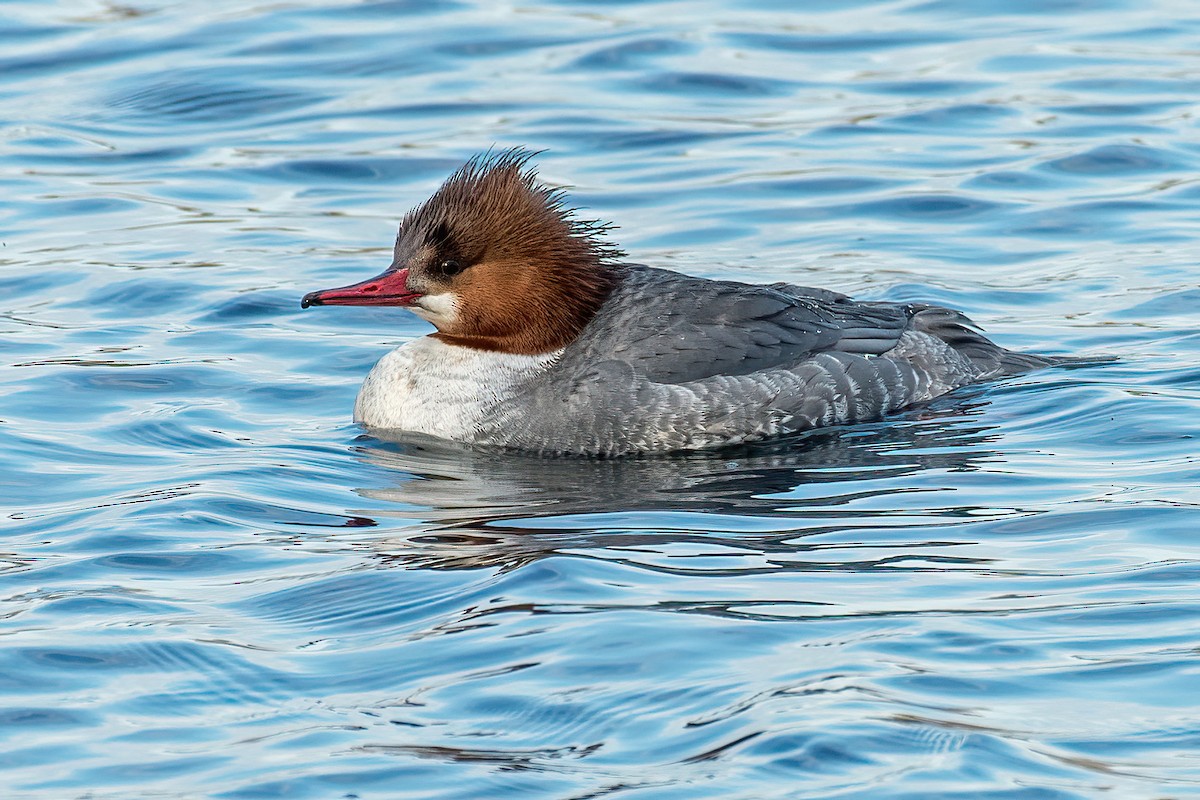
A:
x: 495, y: 261
x: 548, y: 341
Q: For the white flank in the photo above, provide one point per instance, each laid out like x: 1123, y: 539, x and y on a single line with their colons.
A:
x: 443, y: 390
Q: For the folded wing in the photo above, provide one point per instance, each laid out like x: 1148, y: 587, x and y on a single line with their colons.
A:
x: 673, y: 328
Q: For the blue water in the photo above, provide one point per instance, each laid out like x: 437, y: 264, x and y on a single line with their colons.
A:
x: 215, y: 586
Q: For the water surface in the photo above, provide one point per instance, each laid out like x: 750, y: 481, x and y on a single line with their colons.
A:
x: 214, y: 585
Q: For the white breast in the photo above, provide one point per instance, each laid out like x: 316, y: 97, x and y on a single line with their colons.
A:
x: 443, y: 390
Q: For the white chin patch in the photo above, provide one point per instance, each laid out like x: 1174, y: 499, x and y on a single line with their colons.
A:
x: 440, y: 309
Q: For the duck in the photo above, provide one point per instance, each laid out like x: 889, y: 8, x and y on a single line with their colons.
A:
x: 548, y: 340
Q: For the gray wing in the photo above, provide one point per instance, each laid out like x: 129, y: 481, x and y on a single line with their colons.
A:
x: 674, y: 328
x: 682, y: 363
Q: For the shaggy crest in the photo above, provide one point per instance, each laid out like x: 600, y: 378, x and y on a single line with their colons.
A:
x: 533, y: 274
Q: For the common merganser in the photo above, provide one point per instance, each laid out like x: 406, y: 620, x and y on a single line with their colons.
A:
x: 549, y: 341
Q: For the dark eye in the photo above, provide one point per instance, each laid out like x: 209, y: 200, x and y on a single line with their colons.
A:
x: 451, y: 267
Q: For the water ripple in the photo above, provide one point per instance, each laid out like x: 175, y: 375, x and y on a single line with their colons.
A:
x: 215, y: 584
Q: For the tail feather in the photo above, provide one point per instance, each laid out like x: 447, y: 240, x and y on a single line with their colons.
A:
x: 1013, y: 362
x: 964, y: 336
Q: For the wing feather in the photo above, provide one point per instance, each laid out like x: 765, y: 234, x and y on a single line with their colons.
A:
x: 674, y: 328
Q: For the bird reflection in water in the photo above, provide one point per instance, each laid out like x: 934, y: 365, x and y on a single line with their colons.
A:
x: 474, y: 508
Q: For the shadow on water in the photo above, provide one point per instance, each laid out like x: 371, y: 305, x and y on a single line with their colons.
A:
x: 475, y: 508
